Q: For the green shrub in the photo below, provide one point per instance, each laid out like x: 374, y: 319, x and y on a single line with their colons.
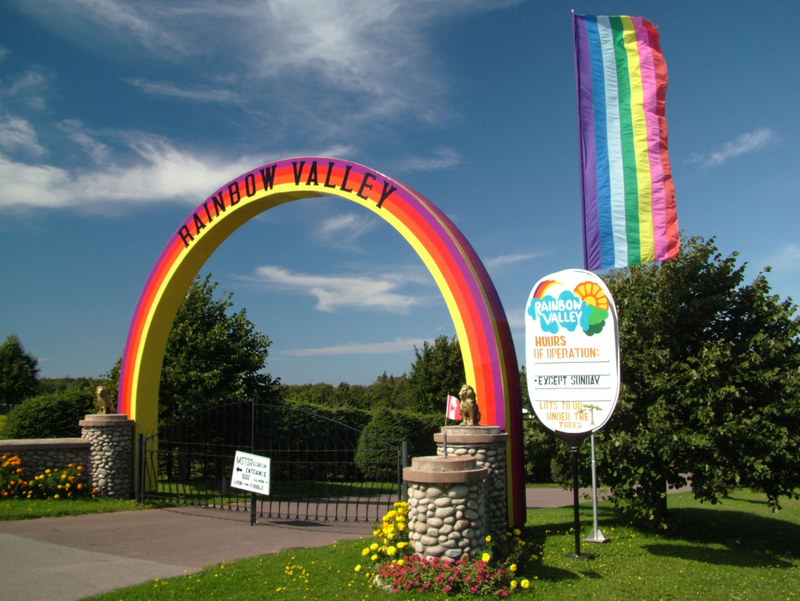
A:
x: 50, y: 415
x: 375, y: 460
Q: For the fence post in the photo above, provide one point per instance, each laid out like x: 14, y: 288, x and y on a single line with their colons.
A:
x: 138, y: 468
x: 405, y: 464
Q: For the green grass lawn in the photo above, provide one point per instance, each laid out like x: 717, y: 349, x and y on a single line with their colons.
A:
x: 23, y: 509
x: 736, y: 550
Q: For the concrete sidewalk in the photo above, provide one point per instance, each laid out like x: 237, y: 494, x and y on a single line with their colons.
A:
x: 70, y: 558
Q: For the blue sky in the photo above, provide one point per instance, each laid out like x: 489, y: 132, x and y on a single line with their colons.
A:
x: 118, y: 118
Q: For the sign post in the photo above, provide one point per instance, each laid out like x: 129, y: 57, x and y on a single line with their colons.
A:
x: 251, y: 473
x: 572, y: 349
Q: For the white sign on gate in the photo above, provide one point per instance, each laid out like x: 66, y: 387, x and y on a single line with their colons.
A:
x: 572, y: 349
x: 251, y: 472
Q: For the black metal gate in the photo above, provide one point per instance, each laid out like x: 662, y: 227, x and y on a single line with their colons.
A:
x: 321, y: 470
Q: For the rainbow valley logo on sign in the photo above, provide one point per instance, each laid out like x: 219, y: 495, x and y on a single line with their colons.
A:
x: 586, y: 306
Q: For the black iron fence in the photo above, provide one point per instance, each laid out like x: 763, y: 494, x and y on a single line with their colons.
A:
x: 321, y: 470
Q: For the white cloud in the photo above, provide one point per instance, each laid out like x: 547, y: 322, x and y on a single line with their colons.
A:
x: 400, y: 345
x: 369, y: 58
x: 4, y: 52
x: 334, y: 292
x: 442, y: 158
x: 198, y: 93
x: 30, y: 87
x: 788, y: 259
x: 162, y: 172
x: 18, y: 134
x: 745, y: 143
x: 76, y: 132
x: 504, y: 260
x: 343, y: 231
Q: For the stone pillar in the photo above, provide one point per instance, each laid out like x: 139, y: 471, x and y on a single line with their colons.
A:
x: 111, y: 436
x: 446, y: 507
x: 487, y: 444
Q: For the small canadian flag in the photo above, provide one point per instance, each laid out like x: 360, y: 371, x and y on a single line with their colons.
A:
x: 453, y: 410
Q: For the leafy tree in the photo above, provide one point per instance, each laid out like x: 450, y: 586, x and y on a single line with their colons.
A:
x: 18, y: 372
x: 211, y: 357
x: 710, y: 384
x: 437, y: 371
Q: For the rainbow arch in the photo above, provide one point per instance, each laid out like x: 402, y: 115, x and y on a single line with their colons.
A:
x: 480, y: 321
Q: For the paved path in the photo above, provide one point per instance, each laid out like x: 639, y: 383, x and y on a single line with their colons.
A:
x: 69, y: 558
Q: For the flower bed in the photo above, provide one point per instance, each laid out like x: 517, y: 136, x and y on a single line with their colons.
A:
x: 51, y: 484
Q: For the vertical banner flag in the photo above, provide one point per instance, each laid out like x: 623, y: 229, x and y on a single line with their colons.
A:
x: 628, y: 198
x: 453, y: 408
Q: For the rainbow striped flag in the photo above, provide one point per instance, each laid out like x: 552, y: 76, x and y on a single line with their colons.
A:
x: 629, y: 215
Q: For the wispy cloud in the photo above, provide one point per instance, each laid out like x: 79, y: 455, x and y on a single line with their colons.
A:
x: 442, y: 158
x: 199, y: 93
x: 371, y: 58
x: 400, y: 345
x: 744, y: 144
x: 788, y: 259
x: 30, y: 86
x: 161, y: 172
x: 76, y: 132
x: 18, y: 134
x: 343, y: 231
x: 505, y: 260
x: 335, y: 292
x: 4, y: 52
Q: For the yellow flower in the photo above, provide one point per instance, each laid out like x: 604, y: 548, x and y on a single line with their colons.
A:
x: 365, y: 552
x: 401, y: 526
x: 513, y: 567
x: 400, y: 562
x: 402, y: 544
x: 486, y: 557
x: 517, y: 532
x: 55, y: 496
x: 525, y: 583
x: 46, y: 471
x: 373, y: 547
x: 376, y: 533
x: 374, y: 557
x: 513, y: 584
x: 358, y: 568
x: 391, y: 551
x: 488, y: 538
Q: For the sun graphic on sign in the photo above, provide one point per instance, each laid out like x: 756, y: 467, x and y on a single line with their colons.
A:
x: 592, y: 294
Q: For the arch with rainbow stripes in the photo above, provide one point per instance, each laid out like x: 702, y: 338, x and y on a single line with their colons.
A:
x: 480, y: 321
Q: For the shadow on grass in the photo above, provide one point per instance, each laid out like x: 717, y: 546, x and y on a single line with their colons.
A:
x: 737, y: 530
x: 743, y: 558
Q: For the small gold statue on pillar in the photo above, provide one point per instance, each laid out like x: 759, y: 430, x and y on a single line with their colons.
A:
x: 468, y: 404
x: 104, y: 402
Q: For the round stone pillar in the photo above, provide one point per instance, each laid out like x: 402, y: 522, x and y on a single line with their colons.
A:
x: 487, y: 445
x: 446, y: 507
x: 111, y: 437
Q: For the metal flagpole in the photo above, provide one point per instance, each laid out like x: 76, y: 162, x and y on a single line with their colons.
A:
x: 595, y: 536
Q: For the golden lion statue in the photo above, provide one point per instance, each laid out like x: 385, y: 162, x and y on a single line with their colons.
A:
x: 104, y: 402
x: 470, y: 413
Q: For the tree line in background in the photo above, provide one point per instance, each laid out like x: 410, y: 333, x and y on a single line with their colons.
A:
x: 710, y: 393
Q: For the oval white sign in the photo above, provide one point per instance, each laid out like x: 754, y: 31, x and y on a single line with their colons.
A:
x: 572, y: 349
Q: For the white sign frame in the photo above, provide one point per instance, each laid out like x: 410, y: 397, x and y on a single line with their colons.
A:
x: 572, y: 352
x: 251, y: 473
